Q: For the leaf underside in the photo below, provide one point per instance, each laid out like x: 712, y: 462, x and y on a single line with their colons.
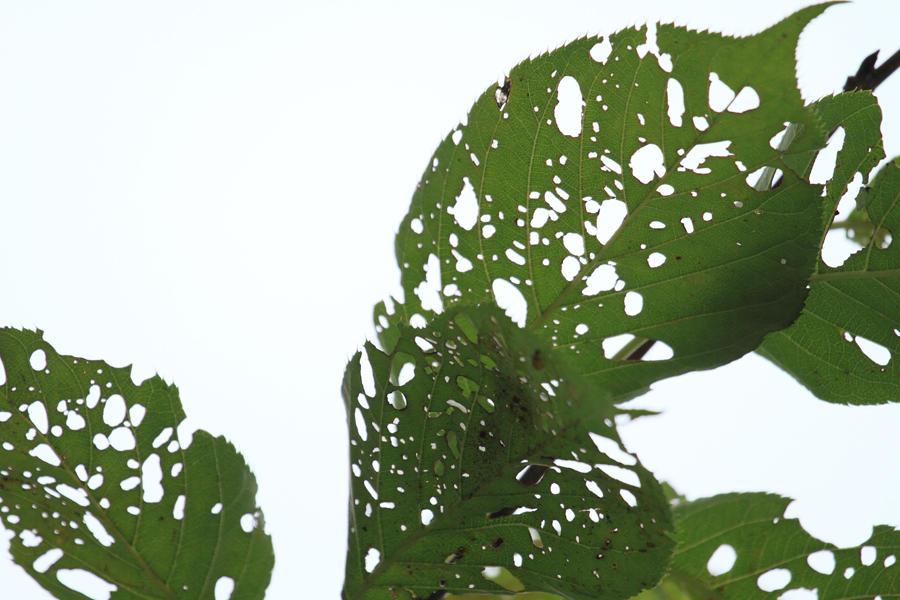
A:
x: 861, y: 298
x: 739, y: 274
x: 80, y: 444
x: 434, y: 493
x: 773, y: 554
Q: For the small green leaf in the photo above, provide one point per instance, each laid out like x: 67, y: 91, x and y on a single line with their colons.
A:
x: 844, y: 346
x: 513, y: 205
x: 770, y: 554
x: 449, y: 496
x: 95, y: 479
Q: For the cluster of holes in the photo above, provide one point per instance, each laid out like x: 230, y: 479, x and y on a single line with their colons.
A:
x: 612, y: 481
x: 822, y: 561
x: 874, y: 351
x: 148, y: 475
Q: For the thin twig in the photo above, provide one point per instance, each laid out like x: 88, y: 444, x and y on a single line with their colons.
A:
x: 868, y: 77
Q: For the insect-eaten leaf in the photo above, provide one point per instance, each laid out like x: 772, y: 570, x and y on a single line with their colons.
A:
x: 741, y: 546
x: 845, y: 345
x: 614, y: 193
x: 98, y: 487
x: 500, y: 472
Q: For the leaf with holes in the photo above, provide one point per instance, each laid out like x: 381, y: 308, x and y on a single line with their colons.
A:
x: 491, y: 468
x: 845, y: 345
x: 740, y: 546
x: 606, y: 194
x: 102, y: 496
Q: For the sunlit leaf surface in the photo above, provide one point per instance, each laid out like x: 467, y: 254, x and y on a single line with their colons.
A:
x: 604, y: 193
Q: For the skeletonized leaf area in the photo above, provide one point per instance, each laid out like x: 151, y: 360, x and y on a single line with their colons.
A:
x: 485, y: 467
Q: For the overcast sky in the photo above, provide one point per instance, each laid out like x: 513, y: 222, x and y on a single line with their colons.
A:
x: 210, y: 190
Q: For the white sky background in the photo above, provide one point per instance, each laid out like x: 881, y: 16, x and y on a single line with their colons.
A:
x: 210, y: 191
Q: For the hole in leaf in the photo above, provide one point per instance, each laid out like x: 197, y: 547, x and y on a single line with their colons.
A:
x: 611, y: 449
x: 361, y: 428
x: 609, y: 218
x: 429, y: 290
x: 826, y: 159
x: 603, y: 279
x: 699, y: 153
x: 570, y: 268
x: 874, y: 352
x: 502, y: 577
x: 98, y: 530
x: 151, y: 479
x: 43, y: 563
x: 569, y: 111
x: 656, y: 259
x: 365, y: 373
x: 248, y: 522
x: 114, y: 410
x: 397, y: 400
x: 29, y: 539
x: 774, y: 579
x: 675, y: 96
x: 634, y: 304
x: 601, y: 50
x: 626, y: 476
x: 37, y: 412
x: 658, y: 351
x: 511, y: 300
x: 593, y: 487
x: 646, y: 162
x: 574, y: 243
x: 612, y: 345
x: 722, y: 560
x: 46, y: 454
x: 776, y: 139
x: 628, y: 497
x: 224, y: 588
x: 38, y: 362
x: 85, y: 582
x: 867, y: 555
x: 575, y: 465
x: 122, y: 439
x: 531, y: 475
x: 465, y: 211
x: 720, y: 95
x: 426, y: 516
x: 747, y: 99
x: 373, y: 557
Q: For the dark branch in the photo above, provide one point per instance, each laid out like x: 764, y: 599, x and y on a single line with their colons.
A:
x: 868, y: 77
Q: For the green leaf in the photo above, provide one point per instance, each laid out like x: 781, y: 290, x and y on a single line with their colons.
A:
x: 83, y: 449
x: 832, y: 349
x: 510, y: 201
x: 481, y: 468
x: 774, y: 554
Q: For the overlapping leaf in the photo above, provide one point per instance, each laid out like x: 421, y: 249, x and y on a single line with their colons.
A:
x: 859, y: 302
x: 709, y: 264
x: 487, y: 459
x: 96, y: 487
x: 772, y: 554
